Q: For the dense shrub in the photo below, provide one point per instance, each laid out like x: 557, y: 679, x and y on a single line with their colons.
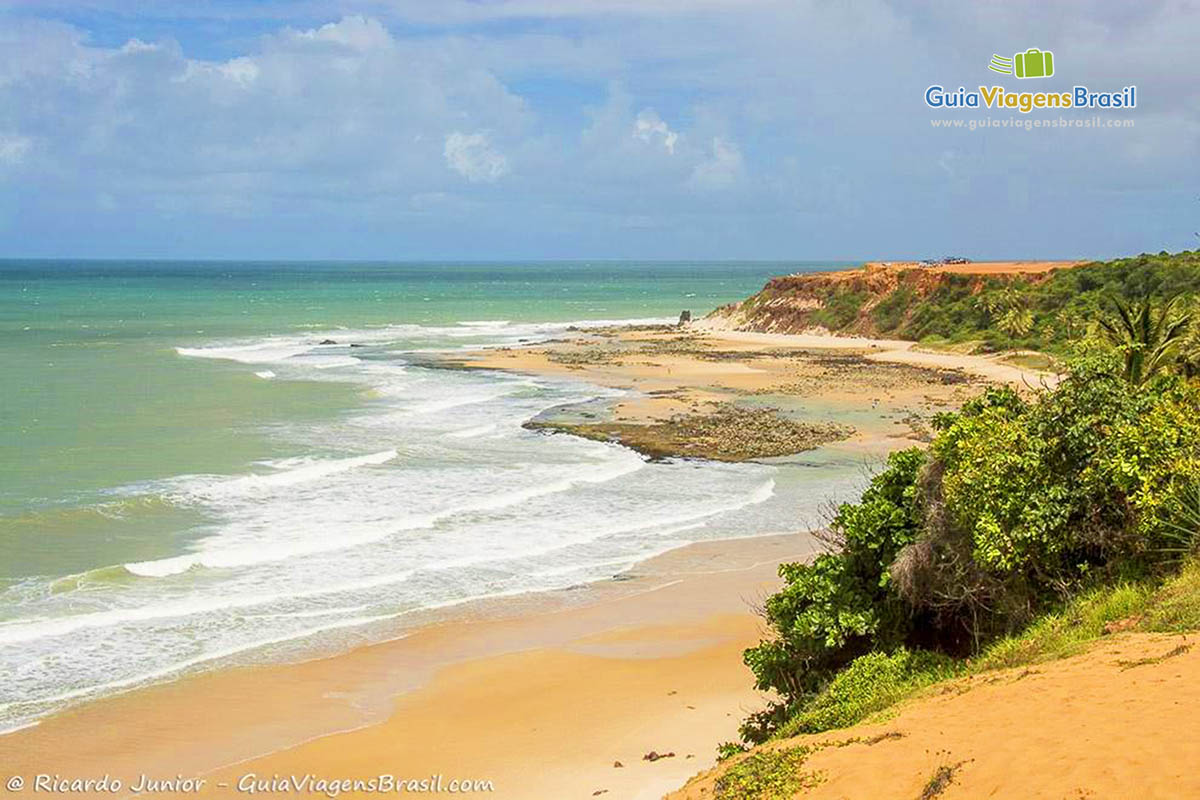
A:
x: 1082, y: 478
x: 840, y: 310
x: 839, y: 606
x: 889, y: 312
x: 1017, y: 504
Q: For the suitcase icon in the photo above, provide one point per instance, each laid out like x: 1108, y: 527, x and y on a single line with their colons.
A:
x: 1034, y: 63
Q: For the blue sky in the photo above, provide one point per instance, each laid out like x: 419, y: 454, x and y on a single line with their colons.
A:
x: 498, y: 129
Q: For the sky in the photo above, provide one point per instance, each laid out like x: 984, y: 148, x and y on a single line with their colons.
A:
x: 560, y: 129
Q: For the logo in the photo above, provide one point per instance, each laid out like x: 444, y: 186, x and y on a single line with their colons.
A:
x: 1033, y: 63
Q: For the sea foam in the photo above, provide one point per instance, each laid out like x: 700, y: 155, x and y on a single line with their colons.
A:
x: 429, y: 495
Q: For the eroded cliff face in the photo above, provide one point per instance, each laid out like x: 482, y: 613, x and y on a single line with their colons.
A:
x: 867, y: 301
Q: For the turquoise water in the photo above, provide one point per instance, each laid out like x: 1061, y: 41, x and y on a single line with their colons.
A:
x: 190, y: 476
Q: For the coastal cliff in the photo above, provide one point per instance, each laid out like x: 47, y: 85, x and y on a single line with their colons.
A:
x: 877, y: 299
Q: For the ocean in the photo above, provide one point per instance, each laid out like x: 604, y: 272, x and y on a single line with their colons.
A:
x: 190, y: 477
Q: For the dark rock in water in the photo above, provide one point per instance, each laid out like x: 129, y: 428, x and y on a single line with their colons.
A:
x: 728, y: 433
x: 357, y: 345
x: 685, y: 317
x: 327, y: 341
x: 653, y: 756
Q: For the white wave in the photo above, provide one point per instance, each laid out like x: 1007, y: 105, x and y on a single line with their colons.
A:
x: 265, y: 374
x: 267, y: 352
x: 495, y: 393
x: 541, y: 579
x: 276, y: 349
x: 604, y: 475
x: 695, y: 519
x: 32, y: 630
x: 29, y: 630
x: 303, y: 470
x: 472, y: 433
x: 173, y: 669
x: 20, y: 726
x: 331, y: 362
x: 266, y: 552
x: 162, y: 567
x: 222, y: 555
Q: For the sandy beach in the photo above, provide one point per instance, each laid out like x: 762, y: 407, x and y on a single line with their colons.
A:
x: 540, y: 694
x: 573, y: 682
x: 495, y: 398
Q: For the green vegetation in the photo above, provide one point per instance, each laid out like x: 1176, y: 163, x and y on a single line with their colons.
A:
x: 1065, y: 630
x: 888, y: 313
x: 868, y: 684
x: 840, y: 309
x: 1031, y: 312
x: 775, y: 774
x: 1147, y: 337
x: 1031, y: 525
x: 877, y: 681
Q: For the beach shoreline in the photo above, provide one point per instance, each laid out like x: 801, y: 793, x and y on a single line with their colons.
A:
x: 670, y: 627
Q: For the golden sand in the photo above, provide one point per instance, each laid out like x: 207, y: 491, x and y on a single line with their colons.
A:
x: 541, y: 695
x: 1118, y: 721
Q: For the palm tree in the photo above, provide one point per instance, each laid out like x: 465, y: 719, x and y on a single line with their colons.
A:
x: 1015, y: 322
x: 1007, y: 309
x: 1148, y: 337
x: 1189, y: 350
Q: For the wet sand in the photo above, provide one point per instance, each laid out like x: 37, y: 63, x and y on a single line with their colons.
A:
x: 886, y: 389
x: 539, y: 694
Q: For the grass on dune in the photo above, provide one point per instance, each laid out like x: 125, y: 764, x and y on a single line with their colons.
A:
x: 1170, y: 607
x: 869, y: 684
x: 877, y: 682
x: 1176, y: 606
x: 768, y: 774
x: 1066, y: 631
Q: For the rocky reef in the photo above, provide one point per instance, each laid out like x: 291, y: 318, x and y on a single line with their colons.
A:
x: 728, y: 433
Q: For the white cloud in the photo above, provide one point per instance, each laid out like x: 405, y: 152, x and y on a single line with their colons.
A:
x: 358, y: 33
x: 649, y: 126
x: 343, y: 111
x: 722, y: 168
x: 13, y: 148
x: 473, y: 157
x: 347, y: 121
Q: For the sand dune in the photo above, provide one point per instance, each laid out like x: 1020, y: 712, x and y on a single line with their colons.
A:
x: 1118, y: 721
